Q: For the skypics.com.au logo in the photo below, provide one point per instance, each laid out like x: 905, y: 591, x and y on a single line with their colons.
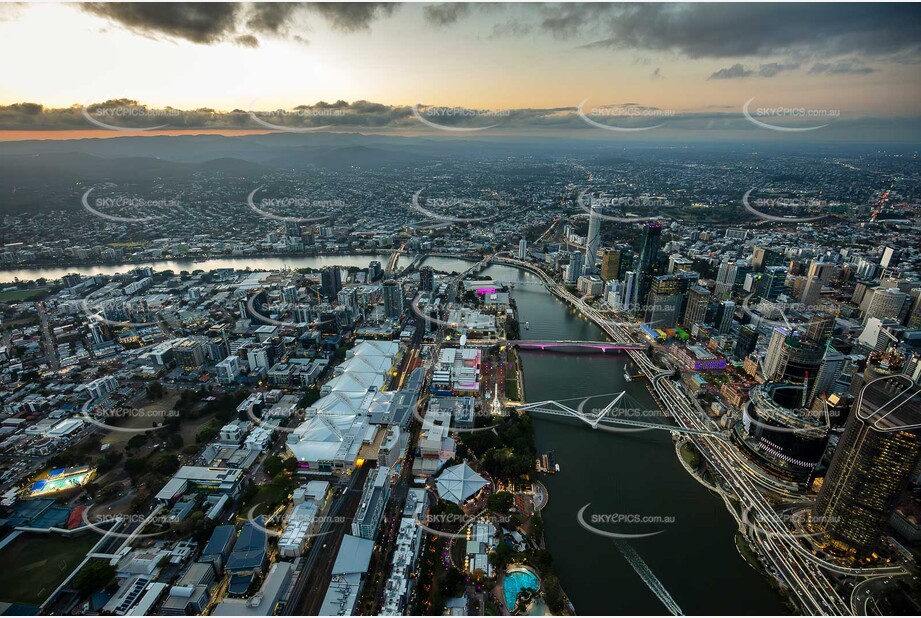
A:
x: 433, y: 523
x: 625, y: 525
x: 131, y: 117
x: 445, y: 209
x: 98, y: 415
x: 123, y: 203
x: 650, y: 207
x: 122, y: 313
x: 623, y: 113
x: 267, y: 205
x: 274, y: 524
x: 763, y: 208
x: 761, y: 117
x: 107, y: 523
x: 301, y: 119
x: 458, y: 119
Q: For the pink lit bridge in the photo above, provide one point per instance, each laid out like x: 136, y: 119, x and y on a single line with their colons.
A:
x: 579, y: 347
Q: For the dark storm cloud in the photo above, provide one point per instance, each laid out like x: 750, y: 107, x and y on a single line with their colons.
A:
x: 352, y: 16
x: 741, y: 30
x: 199, y: 22
x: 736, y: 71
x: 213, y: 22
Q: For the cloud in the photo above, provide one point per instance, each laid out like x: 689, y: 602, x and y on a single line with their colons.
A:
x: 738, y: 30
x: 208, y: 23
x: 738, y: 70
x: 445, y: 14
x: 841, y: 68
x: 198, y: 22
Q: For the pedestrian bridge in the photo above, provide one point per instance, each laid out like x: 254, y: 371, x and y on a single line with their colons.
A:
x: 623, y: 414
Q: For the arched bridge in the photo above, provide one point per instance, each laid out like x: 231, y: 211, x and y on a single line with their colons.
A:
x: 602, y: 347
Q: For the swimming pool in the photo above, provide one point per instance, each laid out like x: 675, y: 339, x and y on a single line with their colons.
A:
x: 516, y: 580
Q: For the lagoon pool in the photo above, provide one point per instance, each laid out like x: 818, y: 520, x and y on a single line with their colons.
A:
x: 516, y: 580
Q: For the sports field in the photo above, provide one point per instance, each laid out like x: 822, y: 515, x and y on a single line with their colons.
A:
x: 35, y: 564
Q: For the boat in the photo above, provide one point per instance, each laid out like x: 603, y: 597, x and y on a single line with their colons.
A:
x: 527, y: 326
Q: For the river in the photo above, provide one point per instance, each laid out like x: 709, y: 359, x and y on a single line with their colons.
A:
x: 693, y: 556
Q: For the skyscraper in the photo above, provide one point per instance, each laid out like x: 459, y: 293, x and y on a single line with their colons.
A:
x: 392, y: 299
x: 375, y: 271
x: 652, y: 236
x: 725, y: 278
x: 522, y: 249
x: 610, y: 265
x: 426, y: 279
x: 698, y: 301
x: 829, y: 372
x: 872, y: 465
x: 629, y: 290
x: 330, y: 282
x: 747, y: 341
x: 574, y: 269
x: 819, y: 274
x: 592, y: 241
x: 724, y: 315
x: 885, y: 303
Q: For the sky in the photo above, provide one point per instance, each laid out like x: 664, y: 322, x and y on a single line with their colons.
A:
x: 859, y: 60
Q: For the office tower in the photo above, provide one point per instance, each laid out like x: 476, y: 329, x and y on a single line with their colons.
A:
x: 426, y: 279
x: 890, y: 257
x: 348, y: 298
x: 725, y: 278
x: 652, y: 236
x: 293, y: 229
x: 747, y: 341
x: 763, y: 257
x: 871, y: 467
x: 522, y: 249
x: 663, y: 310
x: 772, y: 282
x: 592, y: 241
x: 885, y: 303
x: 574, y: 269
x: 791, y: 359
x: 629, y: 301
x: 610, y: 265
x: 819, y: 275
x: 829, y: 372
x: 724, y: 315
x: 392, y: 299
x: 820, y: 329
x: 289, y: 294
x: 698, y: 301
x: 330, y: 281
x: 375, y: 271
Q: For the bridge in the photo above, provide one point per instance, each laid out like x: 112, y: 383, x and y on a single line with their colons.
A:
x: 565, y: 345
x: 615, y: 416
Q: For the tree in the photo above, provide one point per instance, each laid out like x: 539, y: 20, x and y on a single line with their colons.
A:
x: 94, y: 575
x: 500, y: 502
x: 155, y: 390
x: 553, y: 594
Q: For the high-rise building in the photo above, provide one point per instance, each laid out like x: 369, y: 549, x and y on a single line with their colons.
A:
x: 885, y: 303
x: 652, y: 236
x: 890, y: 257
x: 426, y: 279
x: 871, y: 467
x: 820, y: 329
x: 772, y: 282
x: 791, y: 359
x: 330, y: 282
x: 725, y: 278
x: 629, y: 298
x: 747, y: 341
x: 574, y: 269
x: 610, y: 265
x: 724, y: 315
x: 819, y: 275
x: 763, y: 257
x: 592, y: 241
x: 828, y: 374
x: 392, y: 299
x: 523, y: 249
x: 375, y: 271
x: 698, y: 301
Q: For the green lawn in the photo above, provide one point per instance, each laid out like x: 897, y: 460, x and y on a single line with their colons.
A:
x: 19, y: 295
x: 35, y: 564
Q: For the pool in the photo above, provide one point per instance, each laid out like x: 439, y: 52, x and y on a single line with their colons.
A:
x: 516, y: 580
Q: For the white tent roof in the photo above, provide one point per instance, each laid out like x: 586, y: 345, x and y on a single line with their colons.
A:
x: 458, y: 483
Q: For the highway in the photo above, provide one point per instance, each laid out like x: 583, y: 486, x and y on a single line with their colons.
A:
x: 809, y: 586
